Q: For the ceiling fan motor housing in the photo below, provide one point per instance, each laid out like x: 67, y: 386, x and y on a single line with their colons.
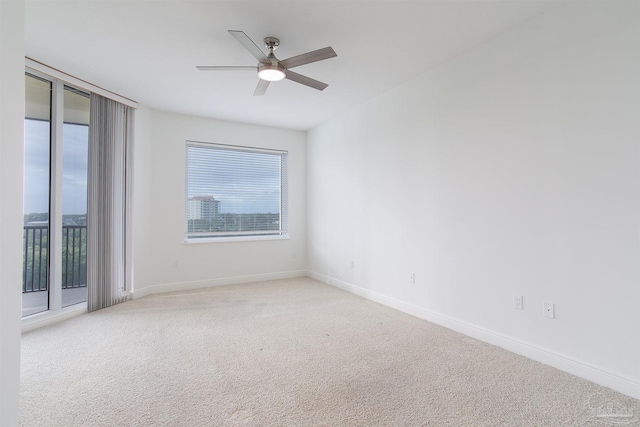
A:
x: 271, y: 72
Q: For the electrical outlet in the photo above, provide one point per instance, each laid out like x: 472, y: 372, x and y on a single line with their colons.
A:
x: 517, y: 302
x: 176, y: 263
x: 352, y: 264
x: 412, y: 278
x: 548, y: 310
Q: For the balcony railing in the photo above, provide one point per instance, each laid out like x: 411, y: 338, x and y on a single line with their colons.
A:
x: 35, y: 270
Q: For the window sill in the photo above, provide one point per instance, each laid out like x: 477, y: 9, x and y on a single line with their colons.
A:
x: 188, y: 241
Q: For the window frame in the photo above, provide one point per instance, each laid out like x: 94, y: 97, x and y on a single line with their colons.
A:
x: 211, y: 237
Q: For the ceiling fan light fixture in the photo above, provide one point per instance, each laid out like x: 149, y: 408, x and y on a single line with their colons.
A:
x: 271, y: 73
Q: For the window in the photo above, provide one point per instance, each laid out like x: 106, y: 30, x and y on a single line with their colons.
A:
x: 235, y: 192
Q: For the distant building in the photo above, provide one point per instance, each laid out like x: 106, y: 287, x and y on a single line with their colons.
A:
x: 203, y: 207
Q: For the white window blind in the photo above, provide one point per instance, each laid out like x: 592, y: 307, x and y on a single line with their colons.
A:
x: 234, y: 191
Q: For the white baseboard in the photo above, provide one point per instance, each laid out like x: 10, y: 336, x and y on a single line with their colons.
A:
x: 596, y: 375
x: 198, y: 284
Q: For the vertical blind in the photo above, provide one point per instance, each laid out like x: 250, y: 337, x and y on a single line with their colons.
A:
x: 109, y: 197
x: 234, y: 191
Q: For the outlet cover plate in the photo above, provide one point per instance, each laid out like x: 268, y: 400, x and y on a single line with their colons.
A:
x: 517, y: 302
x: 548, y: 310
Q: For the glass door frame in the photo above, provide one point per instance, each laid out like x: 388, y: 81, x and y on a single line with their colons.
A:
x: 55, y: 234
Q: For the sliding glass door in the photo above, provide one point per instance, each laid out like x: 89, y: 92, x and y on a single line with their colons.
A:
x: 55, y: 196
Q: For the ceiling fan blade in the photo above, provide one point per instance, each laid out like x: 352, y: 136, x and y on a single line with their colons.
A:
x: 261, y: 88
x: 226, y: 67
x: 250, y: 46
x: 309, y: 57
x: 307, y: 81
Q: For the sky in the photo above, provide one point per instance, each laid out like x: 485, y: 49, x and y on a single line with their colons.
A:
x: 36, y: 168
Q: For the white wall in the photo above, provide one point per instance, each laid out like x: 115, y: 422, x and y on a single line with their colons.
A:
x: 142, y: 198
x: 511, y: 169
x: 207, y: 264
x: 11, y: 142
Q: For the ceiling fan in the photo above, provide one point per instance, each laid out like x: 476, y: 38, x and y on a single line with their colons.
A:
x: 271, y: 69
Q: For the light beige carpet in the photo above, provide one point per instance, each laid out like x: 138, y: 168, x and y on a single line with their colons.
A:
x: 289, y: 353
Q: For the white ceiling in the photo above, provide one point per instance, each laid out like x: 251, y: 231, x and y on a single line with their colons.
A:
x: 148, y: 50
